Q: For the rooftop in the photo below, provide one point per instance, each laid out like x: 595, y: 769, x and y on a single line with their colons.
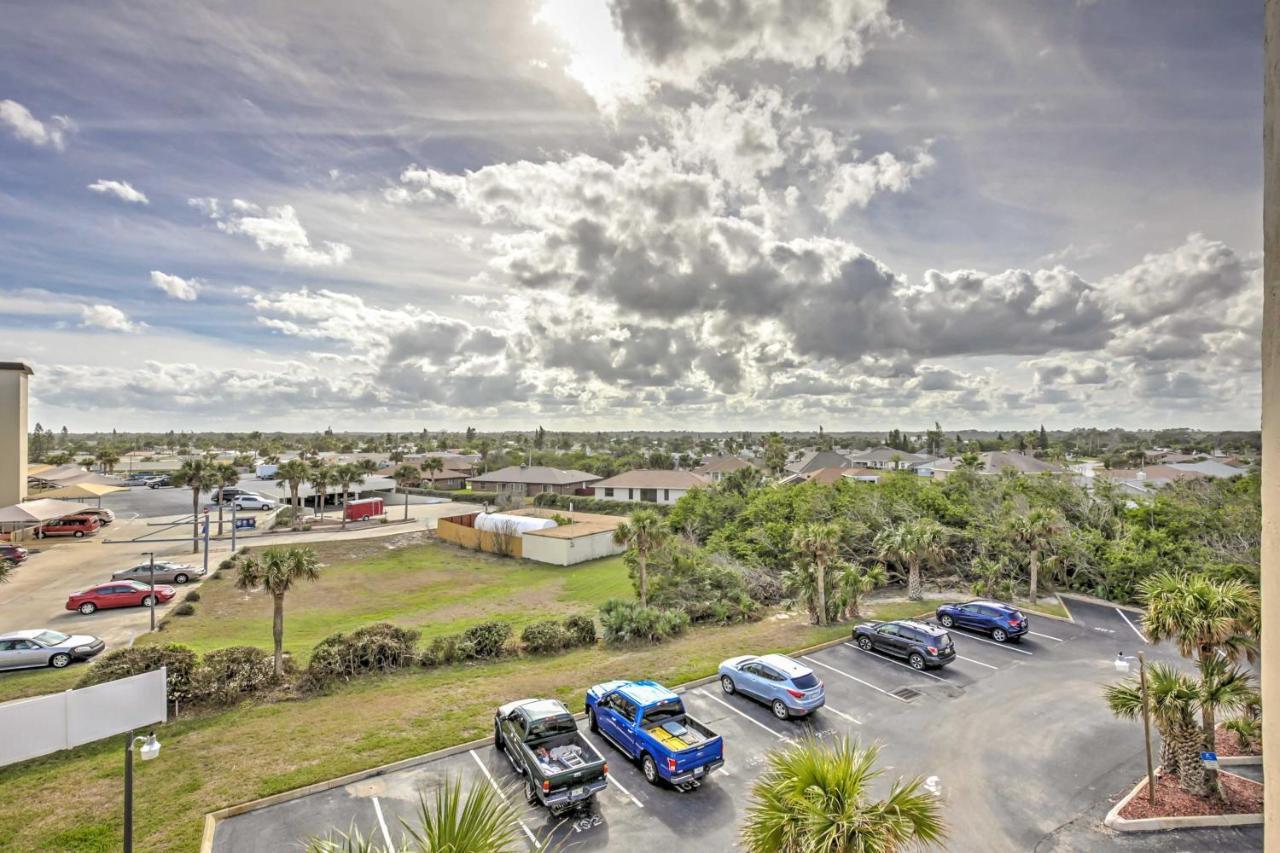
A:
x: 535, y: 474
x: 649, y: 478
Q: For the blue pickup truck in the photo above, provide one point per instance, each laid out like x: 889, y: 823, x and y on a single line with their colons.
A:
x: 648, y: 723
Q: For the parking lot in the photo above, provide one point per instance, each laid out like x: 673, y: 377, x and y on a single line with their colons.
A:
x: 1016, y: 738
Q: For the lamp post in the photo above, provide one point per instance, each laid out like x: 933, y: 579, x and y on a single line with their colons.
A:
x: 150, y: 749
x: 1122, y: 665
x: 234, y: 508
x: 206, y: 542
x: 152, y: 596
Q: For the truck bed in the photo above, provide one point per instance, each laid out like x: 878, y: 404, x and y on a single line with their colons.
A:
x: 680, y: 734
x: 562, y: 754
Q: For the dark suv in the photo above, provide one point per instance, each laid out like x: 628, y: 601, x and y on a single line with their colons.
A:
x: 924, y: 646
x: 1001, y: 621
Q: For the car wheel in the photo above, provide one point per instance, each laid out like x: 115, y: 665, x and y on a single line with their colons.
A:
x: 999, y: 635
x: 780, y: 710
x: 946, y: 621
x: 59, y: 660
x: 364, y: 518
x: 650, y: 769
x: 864, y: 643
x: 727, y: 685
x: 591, y: 720
x: 87, y: 608
x: 179, y: 578
x: 146, y: 601
x: 916, y: 660
x: 79, y: 534
x: 530, y: 794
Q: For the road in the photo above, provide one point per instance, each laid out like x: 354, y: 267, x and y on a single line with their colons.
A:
x: 1016, y: 737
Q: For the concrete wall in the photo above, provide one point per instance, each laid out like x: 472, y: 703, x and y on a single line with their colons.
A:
x: 13, y: 432
x: 567, y: 552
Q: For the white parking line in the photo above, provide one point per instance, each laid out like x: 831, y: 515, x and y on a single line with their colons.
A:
x: 855, y: 678
x: 1046, y: 636
x: 382, y: 824
x: 896, y: 662
x: 1007, y: 647
x: 755, y: 722
x: 528, y: 832
x: 613, y: 780
x: 978, y: 662
x: 841, y: 714
x: 1134, y: 627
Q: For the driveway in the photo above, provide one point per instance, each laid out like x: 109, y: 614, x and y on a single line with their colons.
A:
x: 1015, y: 737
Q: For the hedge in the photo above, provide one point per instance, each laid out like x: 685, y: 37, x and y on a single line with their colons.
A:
x: 627, y: 621
x: 181, y: 663
x: 460, y: 495
x: 581, y: 503
x: 380, y: 647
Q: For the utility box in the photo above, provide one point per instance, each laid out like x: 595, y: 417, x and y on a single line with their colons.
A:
x: 362, y: 510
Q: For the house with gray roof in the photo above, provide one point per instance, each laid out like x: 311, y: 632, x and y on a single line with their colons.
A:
x: 520, y: 481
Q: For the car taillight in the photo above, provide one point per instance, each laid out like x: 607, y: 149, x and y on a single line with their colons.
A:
x: 606, y: 768
x: 932, y: 650
x: 546, y: 786
x: 671, y: 765
x: 1014, y: 623
x: 799, y: 694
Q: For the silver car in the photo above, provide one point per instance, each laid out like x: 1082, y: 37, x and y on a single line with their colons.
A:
x: 167, y: 571
x: 39, y: 647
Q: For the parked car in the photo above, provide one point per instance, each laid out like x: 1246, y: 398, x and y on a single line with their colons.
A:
x: 104, y: 515
x: 39, y: 647
x: 230, y: 493
x: 248, y: 501
x: 105, y: 596
x: 16, y: 553
x: 138, y: 479
x: 167, y: 571
x: 561, y: 769
x: 648, y: 723
x: 788, y: 687
x: 923, y: 645
x: 159, y: 482
x: 72, y: 525
x: 1002, y: 621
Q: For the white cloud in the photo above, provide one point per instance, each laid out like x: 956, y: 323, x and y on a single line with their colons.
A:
x: 856, y: 183
x: 274, y: 228
x: 179, y: 288
x: 107, y: 317
x: 120, y: 189
x: 30, y: 129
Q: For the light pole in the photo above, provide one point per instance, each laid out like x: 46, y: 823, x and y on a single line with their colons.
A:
x: 152, y: 596
x: 1122, y: 665
x: 150, y: 749
x: 206, y: 543
x: 234, y: 508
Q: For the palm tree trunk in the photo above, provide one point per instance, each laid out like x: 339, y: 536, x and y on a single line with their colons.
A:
x: 821, y: 573
x: 915, y: 588
x: 644, y: 579
x: 1209, y: 729
x: 346, y: 487
x: 277, y: 634
x: 195, y: 520
x: 1192, y: 774
x: 323, y: 495
x: 1035, y: 573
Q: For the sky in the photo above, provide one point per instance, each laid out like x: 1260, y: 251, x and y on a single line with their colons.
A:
x: 632, y: 214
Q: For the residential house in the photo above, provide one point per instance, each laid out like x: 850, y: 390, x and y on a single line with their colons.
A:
x: 829, y: 476
x: 446, y: 479
x: 995, y: 461
x: 812, y: 460
x: 528, y: 480
x: 716, y: 468
x: 649, y: 486
x: 888, y: 458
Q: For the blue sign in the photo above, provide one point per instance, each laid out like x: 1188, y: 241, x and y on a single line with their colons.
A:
x: 1209, y: 759
x: 246, y: 523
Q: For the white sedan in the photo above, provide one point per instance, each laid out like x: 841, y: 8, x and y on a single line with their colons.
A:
x: 252, y: 502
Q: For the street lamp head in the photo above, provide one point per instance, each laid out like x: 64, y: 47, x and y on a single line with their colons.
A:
x: 1122, y: 665
x: 150, y: 747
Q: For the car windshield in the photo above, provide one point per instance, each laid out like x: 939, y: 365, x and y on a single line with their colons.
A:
x: 805, y: 682
x: 50, y: 638
x: 664, y: 711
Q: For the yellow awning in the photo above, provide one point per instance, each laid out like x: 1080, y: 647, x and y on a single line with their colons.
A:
x: 37, y: 468
x: 79, y: 490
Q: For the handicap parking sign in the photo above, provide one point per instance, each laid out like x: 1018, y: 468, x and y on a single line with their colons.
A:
x: 246, y: 523
x: 1209, y: 760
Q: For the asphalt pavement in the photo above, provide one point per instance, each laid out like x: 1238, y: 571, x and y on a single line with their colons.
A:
x: 1015, y: 737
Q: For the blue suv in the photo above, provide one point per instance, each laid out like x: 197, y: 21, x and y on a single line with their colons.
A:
x: 788, y: 687
x: 1001, y: 621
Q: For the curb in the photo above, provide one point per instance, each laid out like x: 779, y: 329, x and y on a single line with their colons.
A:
x: 1153, y: 824
x: 1100, y: 602
x: 1239, y: 760
x: 211, y: 819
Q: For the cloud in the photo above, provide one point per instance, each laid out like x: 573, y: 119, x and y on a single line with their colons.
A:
x: 107, y: 317
x: 120, y: 189
x: 179, y: 288
x: 854, y: 184
x: 30, y: 129
x: 273, y: 228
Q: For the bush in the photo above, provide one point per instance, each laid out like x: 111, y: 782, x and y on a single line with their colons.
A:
x: 448, y: 649
x: 708, y: 588
x: 121, y: 663
x: 582, y: 503
x: 227, y: 675
x: 627, y: 621
x: 582, y: 630
x: 460, y: 495
x: 488, y: 639
x: 546, y: 637
x: 375, y: 648
x: 228, y: 564
x: 192, y: 595
x: 186, y: 608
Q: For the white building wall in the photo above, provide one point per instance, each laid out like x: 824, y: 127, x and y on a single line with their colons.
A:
x: 567, y: 552
x: 665, y: 496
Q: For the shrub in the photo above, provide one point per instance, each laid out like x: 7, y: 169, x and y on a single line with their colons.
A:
x: 582, y: 630
x: 488, y: 639
x: 186, y: 608
x: 228, y: 564
x: 708, y: 588
x: 192, y: 595
x: 121, y: 663
x: 448, y: 649
x: 627, y: 621
x: 374, y: 648
x: 582, y: 503
x: 546, y: 637
x: 227, y: 675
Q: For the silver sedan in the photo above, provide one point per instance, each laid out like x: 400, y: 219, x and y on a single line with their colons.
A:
x: 38, y: 647
x: 167, y: 571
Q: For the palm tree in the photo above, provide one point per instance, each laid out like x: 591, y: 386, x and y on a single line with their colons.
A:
x: 1173, y: 699
x: 107, y: 457
x: 431, y: 465
x: 275, y: 570
x: 293, y: 474
x: 347, y: 475
x: 199, y: 476
x: 855, y: 581
x: 816, y: 544
x: 643, y: 535
x: 1035, y: 531
x: 6, y: 569
x: 912, y: 544
x: 321, y: 478
x: 1212, y: 622
x: 406, y: 474
x: 815, y: 797
x: 367, y: 466
x: 480, y: 820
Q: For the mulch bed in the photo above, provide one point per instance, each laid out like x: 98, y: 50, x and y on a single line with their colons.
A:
x: 1243, y: 797
x: 1228, y: 743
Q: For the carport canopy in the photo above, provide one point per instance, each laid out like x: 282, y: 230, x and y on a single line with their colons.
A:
x: 82, y: 491
x: 37, y: 512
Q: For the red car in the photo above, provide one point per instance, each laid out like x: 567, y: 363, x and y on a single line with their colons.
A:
x: 72, y: 525
x: 117, y: 594
x: 12, y: 552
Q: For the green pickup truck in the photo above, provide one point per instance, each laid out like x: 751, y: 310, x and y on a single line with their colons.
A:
x: 561, y: 769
